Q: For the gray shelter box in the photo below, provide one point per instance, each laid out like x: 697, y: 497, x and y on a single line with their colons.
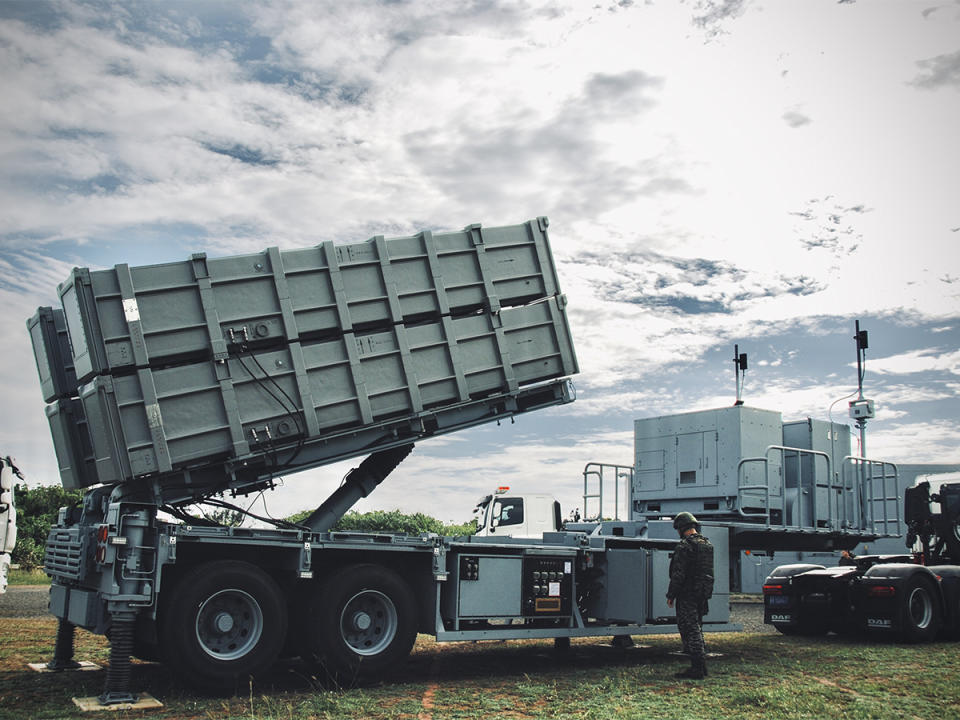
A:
x: 692, y: 461
x: 806, y: 474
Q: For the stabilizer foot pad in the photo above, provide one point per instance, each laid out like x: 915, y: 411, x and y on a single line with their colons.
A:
x: 84, y: 665
x: 145, y: 701
x: 680, y: 653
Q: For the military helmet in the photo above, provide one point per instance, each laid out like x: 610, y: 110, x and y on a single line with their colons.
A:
x: 683, y: 521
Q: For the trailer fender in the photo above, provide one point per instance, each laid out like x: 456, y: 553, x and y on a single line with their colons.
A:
x: 902, y: 598
x: 781, y: 605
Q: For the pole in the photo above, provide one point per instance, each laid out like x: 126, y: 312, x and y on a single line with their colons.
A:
x: 739, y: 365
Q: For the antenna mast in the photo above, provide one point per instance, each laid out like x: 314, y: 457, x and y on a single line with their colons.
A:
x: 861, y: 409
x: 739, y: 370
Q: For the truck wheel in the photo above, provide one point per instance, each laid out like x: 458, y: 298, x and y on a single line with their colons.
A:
x: 362, y: 621
x: 224, y: 622
x: 953, y: 540
x: 919, y: 611
x: 814, y: 622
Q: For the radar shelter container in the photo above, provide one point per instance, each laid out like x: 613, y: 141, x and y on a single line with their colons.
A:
x: 743, y: 463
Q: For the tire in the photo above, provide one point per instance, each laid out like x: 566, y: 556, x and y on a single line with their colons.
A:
x: 223, y: 622
x: 953, y: 540
x: 786, y: 629
x: 813, y: 623
x: 920, y: 615
x: 361, y: 622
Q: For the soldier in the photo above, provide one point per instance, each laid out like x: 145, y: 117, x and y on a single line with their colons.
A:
x: 691, y: 585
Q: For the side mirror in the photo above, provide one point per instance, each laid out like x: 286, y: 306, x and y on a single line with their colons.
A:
x: 495, y: 515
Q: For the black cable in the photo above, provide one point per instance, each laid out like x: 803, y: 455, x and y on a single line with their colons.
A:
x: 271, y: 521
x: 291, y: 413
x: 271, y: 451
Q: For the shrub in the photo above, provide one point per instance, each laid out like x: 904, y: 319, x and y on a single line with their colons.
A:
x: 393, y: 521
x: 37, y: 510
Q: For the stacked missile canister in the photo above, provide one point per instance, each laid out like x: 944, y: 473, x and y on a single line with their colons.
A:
x: 160, y: 371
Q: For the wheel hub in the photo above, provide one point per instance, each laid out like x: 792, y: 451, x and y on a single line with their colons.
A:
x: 229, y: 624
x: 224, y: 622
x: 920, y: 607
x: 369, y: 622
x: 362, y: 621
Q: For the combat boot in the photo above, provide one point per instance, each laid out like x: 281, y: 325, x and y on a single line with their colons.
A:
x: 696, y: 671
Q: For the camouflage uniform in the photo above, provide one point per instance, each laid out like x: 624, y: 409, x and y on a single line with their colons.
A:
x: 691, y: 585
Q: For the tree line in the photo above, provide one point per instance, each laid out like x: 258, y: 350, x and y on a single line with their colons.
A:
x: 37, y: 509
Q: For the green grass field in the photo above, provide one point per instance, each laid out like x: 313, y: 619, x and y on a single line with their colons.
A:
x: 758, y: 676
x: 28, y: 577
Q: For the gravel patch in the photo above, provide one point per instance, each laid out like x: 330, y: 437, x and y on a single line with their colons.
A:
x: 24, y: 601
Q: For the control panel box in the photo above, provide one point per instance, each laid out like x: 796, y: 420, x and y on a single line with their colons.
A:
x: 547, y: 586
x: 500, y: 587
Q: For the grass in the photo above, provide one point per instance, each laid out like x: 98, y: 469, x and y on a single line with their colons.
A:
x: 27, y: 577
x: 759, y: 676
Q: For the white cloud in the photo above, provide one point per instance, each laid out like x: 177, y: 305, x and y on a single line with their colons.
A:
x: 916, y: 361
x: 788, y: 172
x: 927, y: 442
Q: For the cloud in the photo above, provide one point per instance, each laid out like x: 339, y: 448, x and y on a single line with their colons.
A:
x: 28, y: 280
x: 690, y: 286
x: 567, y: 158
x: 830, y: 226
x: 939, y: 71
x: 917, y: 361
x: 795, y: 118
x: 936, y: 441
x: 710, y: 15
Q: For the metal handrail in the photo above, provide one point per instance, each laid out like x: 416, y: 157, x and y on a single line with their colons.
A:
x: 868, y: 481
x: 765, y: 487
x: 595, y: 469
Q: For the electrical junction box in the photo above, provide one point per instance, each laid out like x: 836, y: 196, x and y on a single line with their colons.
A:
x: 862, y: 409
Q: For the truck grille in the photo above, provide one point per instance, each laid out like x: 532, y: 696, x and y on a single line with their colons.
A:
x: 64, y: 553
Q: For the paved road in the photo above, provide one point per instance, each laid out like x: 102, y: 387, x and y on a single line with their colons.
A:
x: 31, y: 601
x: 24, y: 601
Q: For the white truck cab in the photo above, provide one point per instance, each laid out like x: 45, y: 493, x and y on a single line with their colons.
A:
x: 507, y: 514
x: 8, y: 518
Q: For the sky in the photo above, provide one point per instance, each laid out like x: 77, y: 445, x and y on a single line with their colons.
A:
x: 716, y: 172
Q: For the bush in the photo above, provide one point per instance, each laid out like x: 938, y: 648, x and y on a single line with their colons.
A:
x: 37, y: 510
x: 393, y: 521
